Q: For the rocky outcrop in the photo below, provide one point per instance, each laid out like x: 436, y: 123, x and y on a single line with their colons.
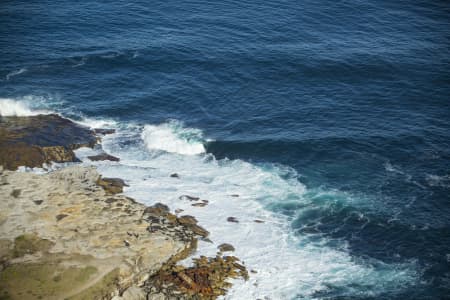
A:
x: 71, y: 234
x: 111, y: 185
x: 34, y: 140
x: 63, y: 236
x: 103, y: 156
x: 206, y: 279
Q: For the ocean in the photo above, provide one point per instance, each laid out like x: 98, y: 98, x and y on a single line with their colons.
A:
x: 327, y: 120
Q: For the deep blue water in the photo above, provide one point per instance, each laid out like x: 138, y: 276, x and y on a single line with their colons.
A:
x: 353, y: 95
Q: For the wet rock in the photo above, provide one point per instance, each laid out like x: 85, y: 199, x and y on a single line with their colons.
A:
x: 34, y: 140
x: 190, y: 198
x: 179, y: 210
x: 258, y: 221
x: 103, y: 156
x: 225, y: 247
x: 198, y: 230
x: 38, y: 202
x: 206, y: 279
x: 234, y: 195
x: 111, y: 185
x: 232, y: 219
x: 174, y: 175
x: 103, y: 131
x: 158, y: 209
x: 187, y: 220
x: 200, y: 204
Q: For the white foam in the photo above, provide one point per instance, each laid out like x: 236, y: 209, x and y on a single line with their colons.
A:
x: 287, y: 265
x: 12, y: 107
x: 435, y: 180
x: 15, y: 73
x: 82, y: 62
x: 97, y: 123
x: 173, y: 137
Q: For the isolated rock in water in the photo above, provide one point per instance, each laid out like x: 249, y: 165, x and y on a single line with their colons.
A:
x: 187, y: 197
x: 79, y: 242
x: 232, y: 219
x: 225, y: 247
x: 103, y: 131
x: 111, y: 185
x: 174, y: 175
x: 103, y: 156
x: 34, y: 140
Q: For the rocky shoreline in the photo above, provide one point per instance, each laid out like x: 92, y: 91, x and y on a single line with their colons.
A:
x: 71, y: 234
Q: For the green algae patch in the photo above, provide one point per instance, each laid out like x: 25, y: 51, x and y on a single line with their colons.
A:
x: 42, y: 281
x: 100, y: 289
x: 29, y: 244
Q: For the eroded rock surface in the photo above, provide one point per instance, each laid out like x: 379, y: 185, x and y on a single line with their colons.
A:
x: 63, y: 237
x: 206, y: 279
x: 34, y: 140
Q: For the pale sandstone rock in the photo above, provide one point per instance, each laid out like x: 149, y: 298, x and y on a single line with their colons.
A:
x: 80, y: 242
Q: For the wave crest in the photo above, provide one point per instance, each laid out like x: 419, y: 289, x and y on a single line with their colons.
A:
x: 11, y: 107
x: 173, y: 137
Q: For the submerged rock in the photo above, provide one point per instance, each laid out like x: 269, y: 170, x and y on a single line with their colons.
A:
x: 232, y: 220
x: 103, y: 131
x: 34, y: 140
x: 103, y: 156
x: 187, y: 197
x: 225, y: 247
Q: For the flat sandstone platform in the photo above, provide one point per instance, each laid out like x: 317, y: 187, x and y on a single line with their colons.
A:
x: 63, y: 237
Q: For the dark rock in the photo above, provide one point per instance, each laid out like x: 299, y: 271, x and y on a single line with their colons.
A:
x: 60, y: 217
x: 104, y: 131
x: 16, y: 193
x: 258, y: 221
x: 110, y: 200
x: 34, y: 140
x: 178, y: 210
x: 198, y: 230
x: 234, y: 195
x: 232, y: 219
x: 200, y: 204
x: 38, y: 202
x: 187, y: 220
x: 111, y: 185
x: 174, y: 175
x: 225, y: 247
x: 158, y: 209
x: 187, y: 197
x: 103, y: 156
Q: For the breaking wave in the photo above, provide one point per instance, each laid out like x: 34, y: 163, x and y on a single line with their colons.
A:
x: 173, y: 137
